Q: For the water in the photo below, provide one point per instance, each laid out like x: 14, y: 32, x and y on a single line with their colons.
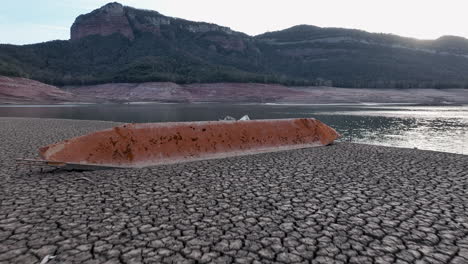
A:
x: 439, y: 128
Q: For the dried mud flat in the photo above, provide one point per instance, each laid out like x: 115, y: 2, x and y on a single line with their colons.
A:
x: 345, y: 203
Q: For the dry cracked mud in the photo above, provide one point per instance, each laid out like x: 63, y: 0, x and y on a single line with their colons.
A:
x: 346, y: 203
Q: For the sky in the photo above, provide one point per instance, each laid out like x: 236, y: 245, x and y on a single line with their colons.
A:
x: 33, y: 21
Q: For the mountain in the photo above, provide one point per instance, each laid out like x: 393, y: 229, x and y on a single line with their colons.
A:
x: 117, y: 43
x: 355, y: 58
x: 129, y: 22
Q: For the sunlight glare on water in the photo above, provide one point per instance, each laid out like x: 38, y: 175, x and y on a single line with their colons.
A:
x: 423, y: 127
x: 439, y: 128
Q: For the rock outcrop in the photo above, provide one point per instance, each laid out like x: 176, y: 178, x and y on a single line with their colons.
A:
x: 104, y: 21
x: 127, y: 21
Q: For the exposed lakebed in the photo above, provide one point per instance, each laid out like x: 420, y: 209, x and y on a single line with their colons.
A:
x: 439, y: 128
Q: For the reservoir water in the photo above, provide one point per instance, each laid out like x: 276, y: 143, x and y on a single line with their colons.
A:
x: 438, y: 128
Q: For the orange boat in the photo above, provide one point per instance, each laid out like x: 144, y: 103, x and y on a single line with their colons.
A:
x: 149, y: 144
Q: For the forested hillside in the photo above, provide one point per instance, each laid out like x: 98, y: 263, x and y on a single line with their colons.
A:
x: 121, y: 44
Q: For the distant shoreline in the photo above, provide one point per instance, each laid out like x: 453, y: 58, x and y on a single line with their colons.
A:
x: 28, y: 92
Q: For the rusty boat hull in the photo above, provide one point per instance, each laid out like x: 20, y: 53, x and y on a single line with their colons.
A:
x: 149, y: 144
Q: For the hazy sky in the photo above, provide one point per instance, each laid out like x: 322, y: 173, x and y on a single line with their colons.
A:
x: 32, y: 21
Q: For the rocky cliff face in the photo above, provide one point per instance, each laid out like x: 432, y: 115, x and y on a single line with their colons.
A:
x: 116, y: 18
x: 105, y: 21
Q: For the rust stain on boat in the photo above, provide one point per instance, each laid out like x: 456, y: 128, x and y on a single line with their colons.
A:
x: 140, y: 145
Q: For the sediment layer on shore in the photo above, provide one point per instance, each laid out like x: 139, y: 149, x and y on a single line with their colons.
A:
x: 344, y: 203
x: 24, y: 91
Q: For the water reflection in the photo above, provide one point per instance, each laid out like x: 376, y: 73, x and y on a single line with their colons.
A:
x: 430, y: 128
x: 424, y: 127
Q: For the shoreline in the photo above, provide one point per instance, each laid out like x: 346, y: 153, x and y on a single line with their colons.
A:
x: 23, y: 91
x: 363, y: 104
